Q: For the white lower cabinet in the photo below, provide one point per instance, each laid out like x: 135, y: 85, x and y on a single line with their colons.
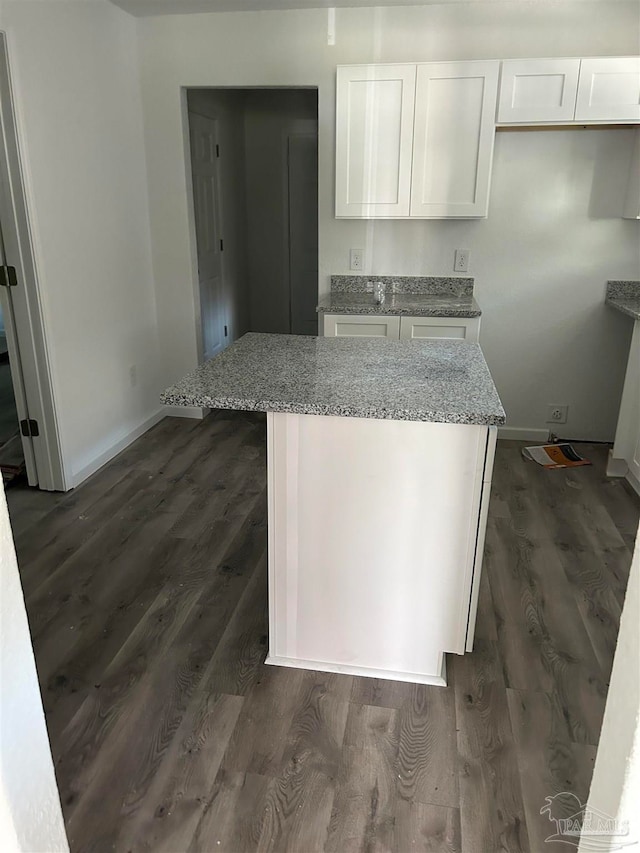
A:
x: 361, y: 326
x: 400, y: 328
x: 376, y: 531
x: 425, y: 328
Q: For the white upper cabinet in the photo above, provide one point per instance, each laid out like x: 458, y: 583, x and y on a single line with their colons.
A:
x: 374, y: 127
x: 386, y: 168
x: 609, y: 89
x: 453, y: 138
x: 533, y: 90
x: 632, y: 202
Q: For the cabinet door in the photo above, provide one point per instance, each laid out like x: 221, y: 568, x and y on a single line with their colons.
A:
x: 361, y: 325
x: 429, y: 328
x: 632, y: 202
x: 453, y: 138
x: 374, y: 126
x: 609, y: 89
x: 533, y: 90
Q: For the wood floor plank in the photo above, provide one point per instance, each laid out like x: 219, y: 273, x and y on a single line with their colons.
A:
x: 171, y: 734
x: 426, y: 828
x: 234, y: 815
x: 426, y: 759
x: 364, y: 807
x: 492, y: 815
x: 198, y: 606
x: 550, y: 763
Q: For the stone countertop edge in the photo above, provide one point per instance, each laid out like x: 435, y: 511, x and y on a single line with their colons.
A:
x: 624, y: 296
x: 435, y: 381
x: 410, y: 305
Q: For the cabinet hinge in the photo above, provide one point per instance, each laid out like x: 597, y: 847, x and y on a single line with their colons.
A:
x: 8, y: 277
x: 29, y: 427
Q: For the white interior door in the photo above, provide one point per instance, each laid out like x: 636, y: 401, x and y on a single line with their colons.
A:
x: 208, y: 222
x: 303, y: 230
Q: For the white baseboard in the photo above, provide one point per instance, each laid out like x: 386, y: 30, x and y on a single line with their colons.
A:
x: 437, y: 680
x: 523, y: 433
x: 634, y: 482
x: 185, y: 412
x: 86, y: 471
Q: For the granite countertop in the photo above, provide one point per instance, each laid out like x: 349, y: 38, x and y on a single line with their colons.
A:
x: 411, y: 304
x: 416, y: 296
x: 625, y: 297
x: 443, y: 381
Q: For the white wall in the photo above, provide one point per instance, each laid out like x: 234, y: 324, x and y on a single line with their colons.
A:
x: 78, y: 106
x: 534, y: 244
x: 615, y: 787
x: 30, y: 813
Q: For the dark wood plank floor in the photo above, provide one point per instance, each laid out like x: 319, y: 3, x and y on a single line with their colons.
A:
x: 146, y: 595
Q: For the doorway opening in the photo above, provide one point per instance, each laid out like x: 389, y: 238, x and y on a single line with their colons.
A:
x: 254, y: 180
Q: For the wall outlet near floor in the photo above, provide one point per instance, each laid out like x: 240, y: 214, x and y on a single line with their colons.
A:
x: 133, y: 375
x: 461, y: 261
x: 557, y: 414
x: 356, y: 259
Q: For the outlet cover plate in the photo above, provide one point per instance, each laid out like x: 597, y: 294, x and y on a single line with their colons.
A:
x: 557, y: 414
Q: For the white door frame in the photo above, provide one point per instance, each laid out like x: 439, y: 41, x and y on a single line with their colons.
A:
x: 26, y: 336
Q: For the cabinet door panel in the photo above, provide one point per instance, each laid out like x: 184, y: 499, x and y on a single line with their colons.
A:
x: 374, y: 126
x: 453, y: 138
x: 533, y: 90
x: 609, y: 89
x: 429, y: 328
x: 361, y: 325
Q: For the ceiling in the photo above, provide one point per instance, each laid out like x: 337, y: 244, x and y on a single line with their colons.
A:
x: 176, y: 7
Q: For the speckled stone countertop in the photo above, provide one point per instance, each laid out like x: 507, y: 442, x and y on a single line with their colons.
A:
x: 443, y: 381
x: 625, y: 296
x: 415, y: 296
x: 410, y: 304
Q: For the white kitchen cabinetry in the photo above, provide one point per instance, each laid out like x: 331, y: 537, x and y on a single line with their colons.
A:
x: 632, y: 202
x: 438, y: 166
x: 401, y: 327
x: 376, y: 531
x: 538, y: 90
x: 609, y: 89
x: 425, y: 328
x: 374, y: 127
x: 361, y: 325
x: 624, y: 458
x: 453, y: 139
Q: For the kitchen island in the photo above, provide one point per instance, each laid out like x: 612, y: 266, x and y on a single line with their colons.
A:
x: 379, y: 460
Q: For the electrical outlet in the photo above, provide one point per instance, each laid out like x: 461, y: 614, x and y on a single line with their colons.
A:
x: 461, y: 262
x: 133, y: 375
x: 356, y: 259
x: 557, y: 414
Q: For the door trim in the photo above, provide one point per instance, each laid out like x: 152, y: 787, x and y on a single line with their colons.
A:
x: 27, y: 336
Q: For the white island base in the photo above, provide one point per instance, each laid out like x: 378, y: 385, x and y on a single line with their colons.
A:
x: 376, y: 533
